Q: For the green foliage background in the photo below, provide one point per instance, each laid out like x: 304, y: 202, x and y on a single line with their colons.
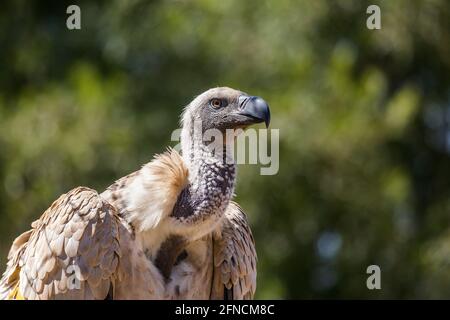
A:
x: 364, y: 119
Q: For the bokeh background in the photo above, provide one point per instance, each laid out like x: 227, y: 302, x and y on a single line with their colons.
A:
x: 364, y: 119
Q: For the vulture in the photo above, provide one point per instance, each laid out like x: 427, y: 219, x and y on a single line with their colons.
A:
x: 167, y: 231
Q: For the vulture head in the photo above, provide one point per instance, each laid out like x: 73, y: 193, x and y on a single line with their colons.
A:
x: 225, y: 108
x: 219, y: 109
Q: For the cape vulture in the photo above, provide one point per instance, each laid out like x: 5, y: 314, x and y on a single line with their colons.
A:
x: 167, y: 231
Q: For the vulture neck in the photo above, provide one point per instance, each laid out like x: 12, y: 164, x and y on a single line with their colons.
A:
x: 211, y: 184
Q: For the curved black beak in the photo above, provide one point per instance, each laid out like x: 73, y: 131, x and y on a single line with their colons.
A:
x: 255, y: 108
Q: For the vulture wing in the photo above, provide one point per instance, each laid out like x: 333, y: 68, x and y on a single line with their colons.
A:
x: 234, y: 258
x: 72, y: 252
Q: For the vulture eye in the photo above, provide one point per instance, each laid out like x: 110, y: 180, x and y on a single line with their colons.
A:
x: 217, y: 103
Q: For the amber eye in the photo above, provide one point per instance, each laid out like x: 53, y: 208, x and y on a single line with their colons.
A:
x: 216, y: 103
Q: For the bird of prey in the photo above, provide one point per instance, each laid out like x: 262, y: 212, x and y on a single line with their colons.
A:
x: 167, y: 231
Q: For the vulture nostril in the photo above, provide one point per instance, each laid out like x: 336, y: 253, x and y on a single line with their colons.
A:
x: 242, y: 101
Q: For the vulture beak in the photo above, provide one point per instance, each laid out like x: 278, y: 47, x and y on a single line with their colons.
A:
x: 255, y: 108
